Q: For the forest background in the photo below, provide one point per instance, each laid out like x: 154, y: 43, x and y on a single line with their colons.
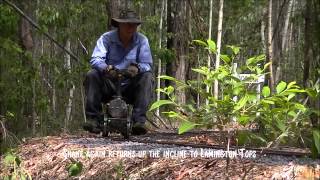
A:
x: 41, y: 90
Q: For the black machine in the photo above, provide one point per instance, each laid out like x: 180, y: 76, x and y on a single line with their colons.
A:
x: 117, y: 112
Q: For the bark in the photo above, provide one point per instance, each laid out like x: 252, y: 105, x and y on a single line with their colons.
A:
x: 216, y: 85
x: 286, y: 25
x: 160, y: 45
x: 170, y: 69
x: 262, y: 31
x: 270, y: 46
x: 71, y: 90
x: 210, y: 32
x: 180, y: 44
x: 26, y: 39
x: 307, y: 44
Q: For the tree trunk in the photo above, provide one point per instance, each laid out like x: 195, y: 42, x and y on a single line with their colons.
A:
x: 170, y: 30
x: 160, y: 63
x: 307, y: 43
x: 216, y: 85
x: 72, y: 89
x: 180, y: 44
x: 210, y: 32
x: 270, y: 46
x: 286, y: 25
x: 27, y: 43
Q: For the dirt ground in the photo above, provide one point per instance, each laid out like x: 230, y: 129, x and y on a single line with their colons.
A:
x: 105, y: 158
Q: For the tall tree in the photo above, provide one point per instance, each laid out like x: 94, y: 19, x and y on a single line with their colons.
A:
x: 160, y: 46
x: 270, y: 45
x: 209, y: 37
x: 217, y: 64
x: 307, y: 43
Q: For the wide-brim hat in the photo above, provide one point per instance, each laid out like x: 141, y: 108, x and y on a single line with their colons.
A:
x: 126, y: 16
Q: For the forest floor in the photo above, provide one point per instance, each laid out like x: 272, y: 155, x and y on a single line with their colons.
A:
x: 110, y: 158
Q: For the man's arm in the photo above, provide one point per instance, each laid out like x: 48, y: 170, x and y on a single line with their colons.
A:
x: 98, y: 58
x: 145, y: 57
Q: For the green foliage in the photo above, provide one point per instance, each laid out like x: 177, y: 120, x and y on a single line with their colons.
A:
x: 186, y: 126
x: 13, y: 169
x: 120, y: 171
x: 74, y: 168
x: 316, y: 138
x: 278, y: 114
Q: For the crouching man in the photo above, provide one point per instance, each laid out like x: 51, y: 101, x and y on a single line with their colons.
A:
x: 120, y: 49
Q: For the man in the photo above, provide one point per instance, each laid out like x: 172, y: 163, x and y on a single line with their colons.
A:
x: 123, y: 48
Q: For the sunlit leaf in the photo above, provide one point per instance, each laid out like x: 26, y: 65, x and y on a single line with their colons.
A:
x: 316, y: 139
x: 265, y: 91
x: 280, y: 125
x: 201, y: 71
x: 290, y: 96
x: 291, y: 84
x: 75, y: 168
x: 242, y: 102
x: 199, y: 42
x: 186, y: 126
x: 267, y: 101
x: 212, y: 45
x: 159, y: 103
x: 226, y: 59
x: 281, y: 86
x: 235, y: 49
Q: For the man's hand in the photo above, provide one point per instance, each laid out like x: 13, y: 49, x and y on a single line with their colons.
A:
x: 111, y: 72
x: 133, y: 70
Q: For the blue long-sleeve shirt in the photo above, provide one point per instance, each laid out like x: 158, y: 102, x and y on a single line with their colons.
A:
x: 110, y: 51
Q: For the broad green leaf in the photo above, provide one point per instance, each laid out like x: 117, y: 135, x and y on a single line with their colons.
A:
x: 235, y: 49
x: 9, y: 114
x: 291, y: 84
x: 167, y: 78
x: 212, y: 45
x: 201, y: 71
x: 170, y: 89
x: 180, y: 83
x: 265, y: 91
x: 243, y: 120
x: 316, y: 138
x: 226, y: 59
x: 280, y: 125
x: 290, y: 96
x: 242, y: 102
x: 186, y: 126
x: 301, y: 107
x: 236, y: 91
x: 267, y: 101
x: 254, y: 60
x: 292, y: 114
x: 202, y: 43
x: 75, y: 168
x: 295, y: 91
x: 311, y: 92
x: 159, y: 103
x: 281, y: 86
x: 9, y: 159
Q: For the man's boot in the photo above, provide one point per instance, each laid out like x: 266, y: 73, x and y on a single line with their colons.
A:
x: 139, y: 128
x: 92, y: 125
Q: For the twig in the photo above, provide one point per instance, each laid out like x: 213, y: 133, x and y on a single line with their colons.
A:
x: 152, y: 123
x: 4, y: 130
x: 161, y: 120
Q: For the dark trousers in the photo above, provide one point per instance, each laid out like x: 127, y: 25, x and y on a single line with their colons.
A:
x: 136, y: 92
